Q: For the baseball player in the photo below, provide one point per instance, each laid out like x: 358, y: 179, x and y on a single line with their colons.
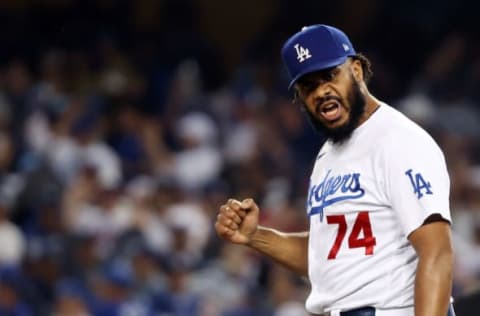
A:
x: 378, y: 202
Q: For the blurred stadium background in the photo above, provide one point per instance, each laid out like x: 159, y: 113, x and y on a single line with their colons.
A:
x: 125, y: 124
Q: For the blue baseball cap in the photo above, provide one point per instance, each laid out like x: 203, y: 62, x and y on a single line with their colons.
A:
x: 315, y: 48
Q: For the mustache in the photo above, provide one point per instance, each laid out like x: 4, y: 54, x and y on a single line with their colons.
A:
x: 322, y: 100
x: 357, y: 107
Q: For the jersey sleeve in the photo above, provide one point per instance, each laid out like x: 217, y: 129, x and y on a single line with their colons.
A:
x: 417, y: 180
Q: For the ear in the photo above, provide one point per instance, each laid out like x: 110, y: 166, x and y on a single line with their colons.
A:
x: 357, y: 69
x: 297, y: 100
x: 296, y: 95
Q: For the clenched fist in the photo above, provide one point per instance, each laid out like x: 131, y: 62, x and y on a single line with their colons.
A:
x: 237, y: 221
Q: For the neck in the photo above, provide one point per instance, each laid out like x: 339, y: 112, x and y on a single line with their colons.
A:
x: 370, y: 107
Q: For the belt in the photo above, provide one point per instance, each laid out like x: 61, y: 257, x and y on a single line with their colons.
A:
x: 370, y: 311
x: 363, y: 311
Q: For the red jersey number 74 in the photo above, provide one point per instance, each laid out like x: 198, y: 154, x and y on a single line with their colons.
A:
x: 361, y: 225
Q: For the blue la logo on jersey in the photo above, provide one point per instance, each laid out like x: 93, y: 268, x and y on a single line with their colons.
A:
x: 333, y: 189
x: 419, y: 184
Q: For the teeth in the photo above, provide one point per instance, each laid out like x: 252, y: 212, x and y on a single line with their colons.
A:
x: 329, y: 107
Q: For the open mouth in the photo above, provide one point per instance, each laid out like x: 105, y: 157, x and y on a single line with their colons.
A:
x: 331, y: 111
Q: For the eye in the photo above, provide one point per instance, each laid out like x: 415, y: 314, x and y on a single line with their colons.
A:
x: 330, y: 75
x: 308, y: 86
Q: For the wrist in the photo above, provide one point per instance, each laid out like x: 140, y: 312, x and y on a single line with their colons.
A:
x: 256, y: 237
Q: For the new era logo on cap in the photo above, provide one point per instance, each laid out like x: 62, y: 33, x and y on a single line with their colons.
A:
x: 314, y: 48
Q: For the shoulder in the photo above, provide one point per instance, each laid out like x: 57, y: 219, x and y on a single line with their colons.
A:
x: 402, y: 133
x: 397, y: 123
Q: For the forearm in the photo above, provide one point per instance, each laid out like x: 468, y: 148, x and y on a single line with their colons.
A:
x: 288, y: 249
x: 433, y: 285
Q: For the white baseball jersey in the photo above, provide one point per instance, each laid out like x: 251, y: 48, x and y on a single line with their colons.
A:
x: 366, y: 196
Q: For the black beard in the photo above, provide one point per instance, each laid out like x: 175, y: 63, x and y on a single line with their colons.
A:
x: 342, y: 133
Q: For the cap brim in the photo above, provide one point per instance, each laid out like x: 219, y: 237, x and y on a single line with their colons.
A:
x: 317, y: 67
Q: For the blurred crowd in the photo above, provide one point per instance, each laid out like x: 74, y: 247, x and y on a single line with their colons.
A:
x: 116, y: 152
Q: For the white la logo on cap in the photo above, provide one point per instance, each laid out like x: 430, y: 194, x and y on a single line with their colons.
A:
x: 302, y: 53
x: 345, y: 47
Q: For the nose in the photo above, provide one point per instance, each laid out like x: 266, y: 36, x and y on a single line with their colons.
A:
x: 323, y: 90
